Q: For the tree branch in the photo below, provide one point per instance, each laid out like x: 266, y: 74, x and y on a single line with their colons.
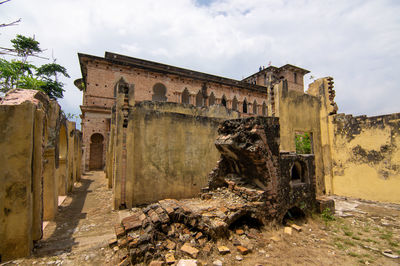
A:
x: 10, y: 24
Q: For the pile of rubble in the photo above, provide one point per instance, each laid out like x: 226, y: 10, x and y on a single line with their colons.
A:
x: 172, y: 229
x: 251, y: 185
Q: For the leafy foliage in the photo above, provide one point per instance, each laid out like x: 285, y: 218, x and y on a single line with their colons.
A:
x: 303, y: 143
x: 21, y: 74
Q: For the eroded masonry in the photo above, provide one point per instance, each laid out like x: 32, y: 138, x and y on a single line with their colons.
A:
x: 40, y: 161
x: 189, y: 152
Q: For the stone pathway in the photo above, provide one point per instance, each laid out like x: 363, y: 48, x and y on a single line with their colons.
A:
x: 82, y: 228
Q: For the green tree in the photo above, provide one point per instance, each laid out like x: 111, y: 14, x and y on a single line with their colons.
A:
x: 21, y: 74
x: 303, y: 143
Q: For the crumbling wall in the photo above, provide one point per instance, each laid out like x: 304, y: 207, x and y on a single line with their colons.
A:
x: 299, y: 112
x: 252, y: 164
x: 30, y: 168
x: 366, y: 157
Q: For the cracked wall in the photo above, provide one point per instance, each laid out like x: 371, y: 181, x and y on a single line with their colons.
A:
x: 366, y: 157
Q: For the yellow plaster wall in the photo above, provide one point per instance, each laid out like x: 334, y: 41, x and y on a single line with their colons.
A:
x: 169, y: 155
x: 16, y: 179
x: 366, y: 157
x: 299, y: 112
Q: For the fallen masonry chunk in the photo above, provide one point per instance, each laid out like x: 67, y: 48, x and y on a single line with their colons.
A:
x: 296, y: 227
x: 112, y: 242
x: 170, y: 258
x: 223, y: 250
x: 187, y: 263
x: 243, y: 250
x: 187, y: 248
x: 238, y: 258
x: 156, y: 263
x: 119, y: 230
x: 287, y: 230
x: 217, y: 263
x: 170, y: 244
x: 239, y: 232
x: 125, y: 262
x: 207, y: 248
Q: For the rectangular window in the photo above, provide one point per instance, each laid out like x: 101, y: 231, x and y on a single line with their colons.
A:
x: 295, y: 77
x: 304, y: 142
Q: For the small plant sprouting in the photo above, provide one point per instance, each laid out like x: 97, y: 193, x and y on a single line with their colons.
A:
x: 327, y: 216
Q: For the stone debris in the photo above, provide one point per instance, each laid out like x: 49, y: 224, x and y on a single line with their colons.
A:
x: 156, y: 263
x: 217, y: 263
x: 190, y: 250
x: 287, y: 230
x: 170, y: 258
x: 296, y: 227
x: 223, y: 250
x: 240, y: 191
x: 243, y: 250
x: 187, y: 263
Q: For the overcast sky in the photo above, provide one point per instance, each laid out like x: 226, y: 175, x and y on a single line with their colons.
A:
x: 356, y: 42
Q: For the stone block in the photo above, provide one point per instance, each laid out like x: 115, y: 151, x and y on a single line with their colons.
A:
x: 187, y: 248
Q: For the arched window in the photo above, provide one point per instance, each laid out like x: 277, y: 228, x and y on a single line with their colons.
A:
x: 255, y: 107
x: 159, y: 91
x: 264, y: 109
x: 234, y: 104
x: 199, y: 99
x: 245, y: 106
x: 211, y: 99
x: 223, y: 101
x: 185, y: 96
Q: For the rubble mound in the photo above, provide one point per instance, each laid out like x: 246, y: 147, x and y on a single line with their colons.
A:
x: 252, y: 185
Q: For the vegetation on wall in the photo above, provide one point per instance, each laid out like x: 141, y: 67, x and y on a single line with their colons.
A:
x: 303, y: 143
x: 20, y: 73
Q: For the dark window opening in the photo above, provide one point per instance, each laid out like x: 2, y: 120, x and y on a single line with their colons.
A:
x: 211, y: 99
x: 264, y: 109
x: 298, y: 173
x: 235, y: 104
x: 159, y: 93
x: 255, y: 107
x: 245, y: 107
x: 295, y: 77
x: 185, y: 96
x: 223, y: 101
x: 199, y: 99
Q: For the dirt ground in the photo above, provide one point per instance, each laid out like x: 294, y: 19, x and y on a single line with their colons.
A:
x: 360, y: 233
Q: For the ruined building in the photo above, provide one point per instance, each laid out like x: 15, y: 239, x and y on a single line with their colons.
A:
x: 344, y: 147
x: 163, y: 83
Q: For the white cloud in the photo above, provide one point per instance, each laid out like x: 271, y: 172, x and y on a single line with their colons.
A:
x: 356, y: 41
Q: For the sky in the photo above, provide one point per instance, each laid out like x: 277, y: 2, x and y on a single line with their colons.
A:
x: 356, y: 42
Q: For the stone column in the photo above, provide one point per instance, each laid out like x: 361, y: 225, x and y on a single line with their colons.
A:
x: 50, y: 186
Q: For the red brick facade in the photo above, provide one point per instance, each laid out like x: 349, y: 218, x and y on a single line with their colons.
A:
x: 155, y: 81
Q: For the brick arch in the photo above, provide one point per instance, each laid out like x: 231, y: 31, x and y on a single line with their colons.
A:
x: 245, y: 106
x: 235, y: 104
x: 185, y: 96
x: 224, y: 101
x: 96, y: 152
x: 211, y: 99
x: 199, y: 99
x: 159, y: 93
x: 255, y: 107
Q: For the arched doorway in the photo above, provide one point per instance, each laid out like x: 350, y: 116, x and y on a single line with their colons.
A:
x: 96, y: 152
x: 244, y: 108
